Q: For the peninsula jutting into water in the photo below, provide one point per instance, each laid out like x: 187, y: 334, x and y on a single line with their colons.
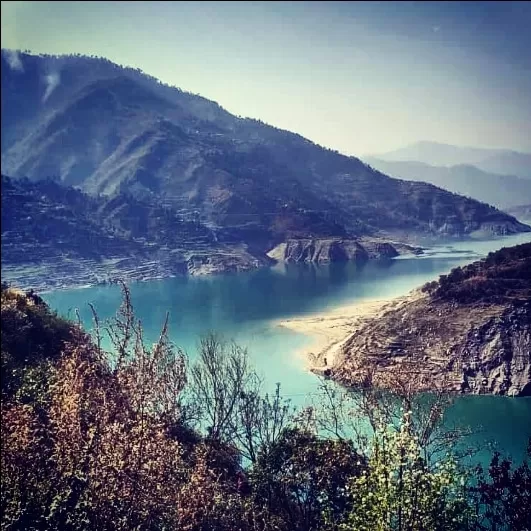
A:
x: 316, y: 307
x: 467, y: 333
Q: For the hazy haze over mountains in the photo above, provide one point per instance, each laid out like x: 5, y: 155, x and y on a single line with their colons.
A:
x: 502, y: 191
x: 499, y: 161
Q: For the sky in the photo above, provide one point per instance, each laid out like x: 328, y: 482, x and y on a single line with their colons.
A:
x: 360, y: 77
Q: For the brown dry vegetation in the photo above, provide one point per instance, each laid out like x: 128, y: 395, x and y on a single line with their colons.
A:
x: 137, y: 440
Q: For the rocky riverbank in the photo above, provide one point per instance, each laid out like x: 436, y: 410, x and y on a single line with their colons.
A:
x: 34, y: 265
x: 478, y: 350
x: 62, y: 272
x: 325, y: 250
x: 470, y: 332
x: 56, y: 237
x: 331, y: 330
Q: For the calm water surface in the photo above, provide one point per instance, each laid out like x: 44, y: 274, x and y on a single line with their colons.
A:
x: 246, y: 306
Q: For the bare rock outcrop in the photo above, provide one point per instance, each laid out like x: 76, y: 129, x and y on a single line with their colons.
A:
x: 496, y: 356
x: 325, y: 250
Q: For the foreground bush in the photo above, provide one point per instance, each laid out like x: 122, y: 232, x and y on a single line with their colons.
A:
x: 136, y: 440
x: 398, y: 490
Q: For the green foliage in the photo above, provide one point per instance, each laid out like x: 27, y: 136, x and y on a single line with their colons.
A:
x: 502, y: 276
x: 398, y: 490
x: 504, y: 498
x: 302, y: 479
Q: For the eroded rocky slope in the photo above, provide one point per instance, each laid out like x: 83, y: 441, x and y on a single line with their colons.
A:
x: 327, y: 250
x: 55, y: 236
x: 469, y: 332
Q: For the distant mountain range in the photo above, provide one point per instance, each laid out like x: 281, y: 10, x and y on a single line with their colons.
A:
x: 521, y: 211
x: 502, y: 191
x: 498, y: 161
x: 169, y: 158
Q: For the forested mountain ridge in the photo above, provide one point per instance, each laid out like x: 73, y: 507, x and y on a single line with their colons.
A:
x: 107, y: 130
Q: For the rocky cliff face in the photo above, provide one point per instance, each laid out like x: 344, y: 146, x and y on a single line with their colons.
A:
x: 338, y: 250
x: 477, y: 350
x: 470, y: 332
x: 496, y: 356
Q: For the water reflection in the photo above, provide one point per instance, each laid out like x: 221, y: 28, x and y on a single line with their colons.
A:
x: 245, y: 306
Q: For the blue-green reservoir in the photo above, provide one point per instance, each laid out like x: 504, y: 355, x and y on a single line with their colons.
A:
x: 247, y: 306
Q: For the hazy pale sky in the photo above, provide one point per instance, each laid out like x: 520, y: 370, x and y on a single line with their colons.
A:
x: 359, y: 77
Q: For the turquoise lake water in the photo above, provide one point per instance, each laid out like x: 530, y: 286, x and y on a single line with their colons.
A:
x: 246, y: 307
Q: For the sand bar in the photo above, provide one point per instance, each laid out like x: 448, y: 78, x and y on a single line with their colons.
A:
x: 331, y: 329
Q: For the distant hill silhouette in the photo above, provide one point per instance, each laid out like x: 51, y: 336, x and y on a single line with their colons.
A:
x: 499, y: 161
x: 502, y: 191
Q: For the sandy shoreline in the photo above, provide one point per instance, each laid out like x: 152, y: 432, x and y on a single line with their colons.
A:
x: 331, y: 329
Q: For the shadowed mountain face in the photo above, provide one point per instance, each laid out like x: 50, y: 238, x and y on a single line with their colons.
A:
x: 502, y: 191
x: 46, y: 216
x: 110, y: 130
x: 55, y: 236
x: 498, y: 161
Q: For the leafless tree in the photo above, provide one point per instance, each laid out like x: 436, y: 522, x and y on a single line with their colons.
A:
x: 219, y: 380
x: 260, y: 420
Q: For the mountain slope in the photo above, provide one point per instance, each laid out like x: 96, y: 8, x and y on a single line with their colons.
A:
x: 469, y: 332
x: 499, y: 161
x: 111, y: 130
x: 54, y: 236
x: 502, y: 191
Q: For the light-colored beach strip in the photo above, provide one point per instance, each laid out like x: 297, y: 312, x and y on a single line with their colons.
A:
x: 331, y: 329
